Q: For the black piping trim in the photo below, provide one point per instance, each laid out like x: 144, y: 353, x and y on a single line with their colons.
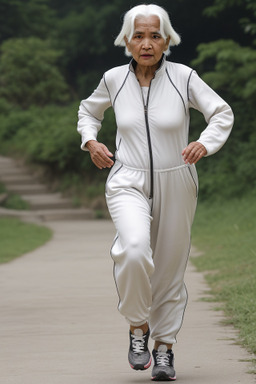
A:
x: 184, y: 285
x: 188, y: 84
x: 104, y: 77
x: 119, y: 144
x: 185, y: 306
x: 176, y: 90
x: 121, y: 88
x: 114, y: 275
x: 118, y: 169
x: 117, y: 149
x: 193, y: 181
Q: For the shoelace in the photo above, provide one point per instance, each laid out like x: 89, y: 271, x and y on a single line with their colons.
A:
x: 138, y: 343
x: 162, y: 359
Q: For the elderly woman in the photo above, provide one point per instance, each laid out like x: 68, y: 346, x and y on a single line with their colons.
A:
x: 152, y: 187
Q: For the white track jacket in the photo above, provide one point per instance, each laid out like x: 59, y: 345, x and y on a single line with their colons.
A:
x: 152, y: 133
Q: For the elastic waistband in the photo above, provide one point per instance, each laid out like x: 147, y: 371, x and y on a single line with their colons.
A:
x: 155, y: 170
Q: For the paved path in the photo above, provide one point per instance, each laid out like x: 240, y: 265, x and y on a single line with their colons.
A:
x: 59, y: 323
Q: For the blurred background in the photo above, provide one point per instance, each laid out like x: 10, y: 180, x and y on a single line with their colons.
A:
x: 53, y: 53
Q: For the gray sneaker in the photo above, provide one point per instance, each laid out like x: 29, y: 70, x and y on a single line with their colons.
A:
x: 163, y: 369
x: 139, y: 356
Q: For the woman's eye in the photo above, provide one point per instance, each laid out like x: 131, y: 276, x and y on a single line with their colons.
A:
x: 156, y: 37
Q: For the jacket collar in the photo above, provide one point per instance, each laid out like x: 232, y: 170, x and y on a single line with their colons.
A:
x: 158, y: 72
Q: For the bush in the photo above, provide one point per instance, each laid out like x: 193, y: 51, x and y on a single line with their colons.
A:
x: 48, y: 136
x: 14, y: 201
x: 29, y: 74
x: 230, y: 69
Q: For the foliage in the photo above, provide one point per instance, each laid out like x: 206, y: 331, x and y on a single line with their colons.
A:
x: 247, y: 12
x: 226, y: 235
x: 14, y: 201
x: 2, y: 188
x: 229, y: 68
x: 233, y: 69
x: 86, y: 31
x: 48, y: 136
x: 29, y: 73
x: 234, y: 76
x: 25, y: 18
x: 84, y: 36
x: 17, y: 238
x: 219, y: 6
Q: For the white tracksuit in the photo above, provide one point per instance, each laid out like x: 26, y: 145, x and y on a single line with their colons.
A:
x: 150, y: 192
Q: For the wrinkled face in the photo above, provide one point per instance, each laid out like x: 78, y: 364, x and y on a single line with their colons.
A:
x: 147, y: 44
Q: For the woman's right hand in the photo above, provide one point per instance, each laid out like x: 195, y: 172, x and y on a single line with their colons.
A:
x: 100, y: 154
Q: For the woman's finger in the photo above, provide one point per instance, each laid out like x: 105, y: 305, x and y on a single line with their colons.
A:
x: 193, y: 152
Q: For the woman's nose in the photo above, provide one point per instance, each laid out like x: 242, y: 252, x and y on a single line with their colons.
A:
x: 147, y: 44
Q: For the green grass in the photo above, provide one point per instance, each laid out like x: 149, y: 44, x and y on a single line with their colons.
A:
x: 226, y: 234
x: 17, y: 238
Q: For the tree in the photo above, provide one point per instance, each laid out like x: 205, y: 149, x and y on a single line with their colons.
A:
x: 229, y: 67
x: 86, y: 30
x: 29, y: 74
x: 23, y: 18
x: 245, y: 12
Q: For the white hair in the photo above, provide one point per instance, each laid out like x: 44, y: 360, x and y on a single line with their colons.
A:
x: 145, y: 10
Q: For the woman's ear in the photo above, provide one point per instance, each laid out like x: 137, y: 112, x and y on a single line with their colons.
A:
x: 167, y: 42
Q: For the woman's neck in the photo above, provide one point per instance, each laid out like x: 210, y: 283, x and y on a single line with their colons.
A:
x: 145, y: 74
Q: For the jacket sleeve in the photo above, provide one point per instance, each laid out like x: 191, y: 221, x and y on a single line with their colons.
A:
x: 216, y: 111
x: 91, y: 113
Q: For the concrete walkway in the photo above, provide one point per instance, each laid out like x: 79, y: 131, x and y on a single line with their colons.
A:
x: 59, y: 323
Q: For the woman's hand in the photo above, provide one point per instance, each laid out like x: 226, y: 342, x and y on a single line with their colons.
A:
x: 100, y: 154
x: 193, y: 152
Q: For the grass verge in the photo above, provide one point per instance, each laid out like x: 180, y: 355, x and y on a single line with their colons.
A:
x: 17, y: 238
x: 225, y: 233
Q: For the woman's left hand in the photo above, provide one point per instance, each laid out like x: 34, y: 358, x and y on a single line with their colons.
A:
x: 193, y: 152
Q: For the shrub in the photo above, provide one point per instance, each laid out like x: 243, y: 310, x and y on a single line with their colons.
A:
x: 29, y: 74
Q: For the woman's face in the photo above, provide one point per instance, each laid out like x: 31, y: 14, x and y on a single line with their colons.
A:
x: 147, y: 44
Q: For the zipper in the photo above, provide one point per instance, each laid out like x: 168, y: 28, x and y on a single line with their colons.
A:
x: 151, y: 192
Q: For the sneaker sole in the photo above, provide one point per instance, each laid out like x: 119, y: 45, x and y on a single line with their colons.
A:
x: 139, y: 367
x: 163, y: 377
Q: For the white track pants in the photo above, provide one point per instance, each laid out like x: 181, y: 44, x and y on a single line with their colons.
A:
x: 151, y: 248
